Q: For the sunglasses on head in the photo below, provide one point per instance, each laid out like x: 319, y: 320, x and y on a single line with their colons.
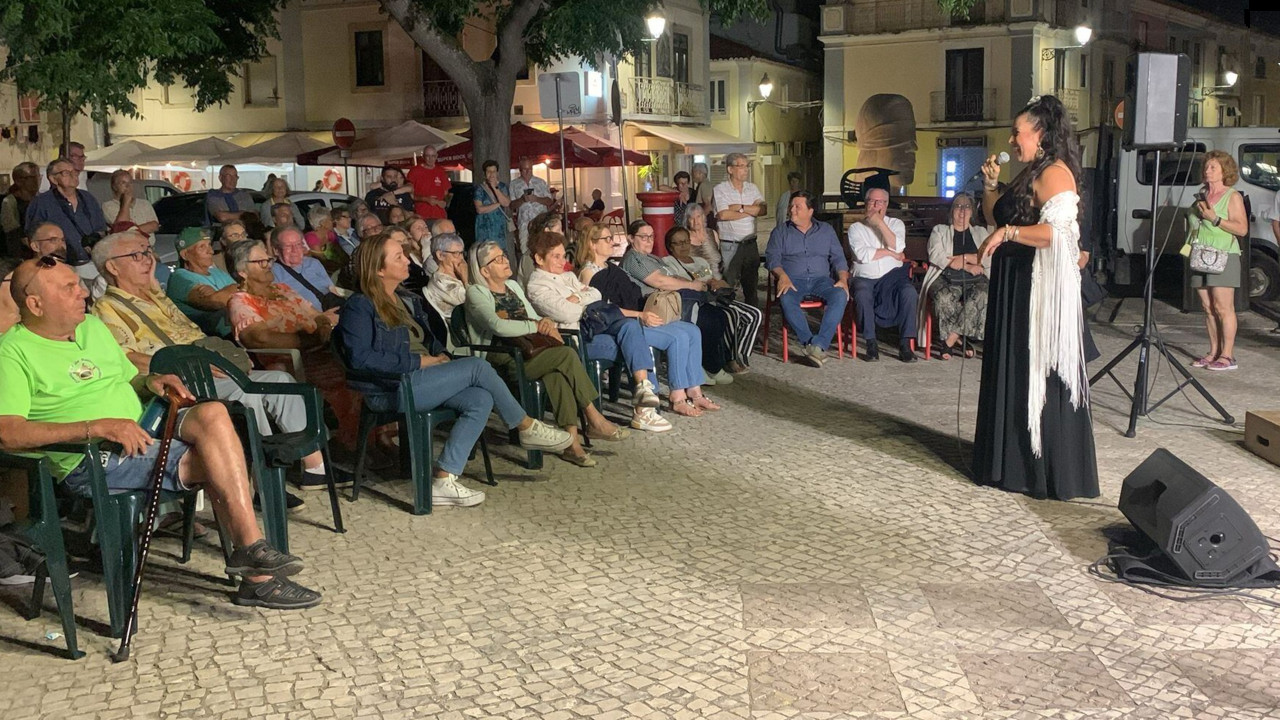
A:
x: 42, y: 262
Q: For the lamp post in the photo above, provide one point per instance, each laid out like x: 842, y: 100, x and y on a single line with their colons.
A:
x: 1083, y: 34
x: 766, y: 89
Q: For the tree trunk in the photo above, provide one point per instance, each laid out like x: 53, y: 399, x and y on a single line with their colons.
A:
x: 66, y: 127
x: 490, y: 112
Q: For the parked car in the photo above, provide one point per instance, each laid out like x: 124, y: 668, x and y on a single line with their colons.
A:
x: 184, y: 210
x: 149, y: 189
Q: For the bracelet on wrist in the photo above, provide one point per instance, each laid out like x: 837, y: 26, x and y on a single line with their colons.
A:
x: 990, y: 187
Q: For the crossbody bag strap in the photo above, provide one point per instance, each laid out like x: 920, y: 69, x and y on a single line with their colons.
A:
x: 298, y: 276
x: 133, y: 308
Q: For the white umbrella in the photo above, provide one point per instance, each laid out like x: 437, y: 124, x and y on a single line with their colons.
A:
x: 277, y: 151
x: 198, y: 152
x: 396, y: 143
x: 122, y: 154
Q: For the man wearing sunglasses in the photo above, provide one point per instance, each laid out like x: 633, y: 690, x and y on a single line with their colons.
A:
x: 63, y: 378
x: 70, y: 208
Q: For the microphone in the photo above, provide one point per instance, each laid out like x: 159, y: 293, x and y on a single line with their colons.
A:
x: 1001, y: 159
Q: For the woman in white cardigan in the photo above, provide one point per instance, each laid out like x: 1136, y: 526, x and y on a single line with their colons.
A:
x: 562, y: 297
x: 956, y: 283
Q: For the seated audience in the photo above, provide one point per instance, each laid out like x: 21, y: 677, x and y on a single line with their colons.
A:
x: 682, y: 341
x: 63, y: 378
x: 548, y: 221
x: 13, y: 208
x: 559, y: 295
x: 385, y: 332
x: 343, y: 230
x: 233, y: 231
x: 200, y: 289
x: 124, y: 210
x: 143, y: 320
x: 278, y: 194
x: 281, y: 217
x: 448, y: 286
x: 397, y: 215
x: 956, y: 282
x: 882, y: 289
x: 496, y: 309
x: 47, y: 238
x: 704, y: 241
x: 744, y: 319
x: 304, y: 274
x: 804, y: 254
x: 269, y: 314
x: 322, y: 240
x: 420, y: 232
x: 414, y: 251
x: 369, y: 225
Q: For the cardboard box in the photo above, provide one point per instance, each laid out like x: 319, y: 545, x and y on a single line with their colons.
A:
x: 1262, y: 433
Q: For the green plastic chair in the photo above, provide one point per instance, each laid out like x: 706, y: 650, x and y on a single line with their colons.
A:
x: 272, y: 454
x: 44, y: 530
x: 417, y: 435
x: 532, y: 393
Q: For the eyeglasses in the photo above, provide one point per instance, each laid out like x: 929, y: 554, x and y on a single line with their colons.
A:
x: 42, y: 263
x: 140, y: 256
x: 450, y: 252
x: 62, y: 172
x: 877, y: 202
x: 262, y: 263
x: 235, y: 235
x: 962, y: 207
x: 500, y: 258
x: 643, y: 236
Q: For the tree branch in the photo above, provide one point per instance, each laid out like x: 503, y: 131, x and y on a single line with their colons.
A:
x: 511, y: 36
x: 443, y: 50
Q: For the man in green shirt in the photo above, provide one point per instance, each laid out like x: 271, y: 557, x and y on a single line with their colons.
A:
x: 63, y: 378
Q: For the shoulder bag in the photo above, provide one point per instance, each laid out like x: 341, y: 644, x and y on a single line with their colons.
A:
x: 1204, y: 258
x: 328, y: 300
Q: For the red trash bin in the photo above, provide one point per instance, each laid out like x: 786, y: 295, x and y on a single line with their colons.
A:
x: 659, y: 210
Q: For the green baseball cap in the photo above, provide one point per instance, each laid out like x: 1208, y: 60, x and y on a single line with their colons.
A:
x: 190, y: 236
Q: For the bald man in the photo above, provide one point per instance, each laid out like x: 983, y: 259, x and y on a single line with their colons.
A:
x: 63, y: 379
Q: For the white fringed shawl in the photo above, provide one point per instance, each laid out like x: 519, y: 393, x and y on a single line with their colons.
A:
x: 1057, y: 320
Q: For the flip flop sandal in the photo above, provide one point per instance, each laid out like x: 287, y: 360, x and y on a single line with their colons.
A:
x: 685, y: 408
x: 702, y: 402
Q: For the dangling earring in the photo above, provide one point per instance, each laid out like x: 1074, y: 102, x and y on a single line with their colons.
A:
x: 1040, y: 153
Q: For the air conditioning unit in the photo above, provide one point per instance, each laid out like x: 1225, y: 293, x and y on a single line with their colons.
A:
x: 770, y: 160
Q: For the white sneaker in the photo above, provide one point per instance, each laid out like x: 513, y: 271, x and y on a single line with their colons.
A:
x: 649, y: 420
x: 645, y: 397
x: 541, y: 436
x: 721, y: 378
x: 447, y: 491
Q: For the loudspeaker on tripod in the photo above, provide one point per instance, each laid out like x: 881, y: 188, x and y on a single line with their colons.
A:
x: 1195, y: 525
x: 1156, y: 92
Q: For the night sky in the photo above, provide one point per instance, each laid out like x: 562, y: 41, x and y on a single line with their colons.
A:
x: 1239, y: 11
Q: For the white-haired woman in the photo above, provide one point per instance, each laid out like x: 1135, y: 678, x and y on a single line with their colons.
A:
x: 957, y: 279
x: 447, y: 288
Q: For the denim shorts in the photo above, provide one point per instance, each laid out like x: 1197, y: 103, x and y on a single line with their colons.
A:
x: 127, y: 474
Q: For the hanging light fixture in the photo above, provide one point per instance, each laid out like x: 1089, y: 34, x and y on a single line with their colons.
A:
x: 1083, y: 34
x: 656, y: 24
x: 1231, y: 76
x: 766, y: 86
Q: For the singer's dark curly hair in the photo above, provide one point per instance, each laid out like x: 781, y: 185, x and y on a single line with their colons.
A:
x: 1047, y: 114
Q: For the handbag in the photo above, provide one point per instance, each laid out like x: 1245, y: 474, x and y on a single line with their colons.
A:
x: 532, y: 345
x: 666, y: 304
x: 956, y: 276
x: 1206, y: 259
x: 597, y: 318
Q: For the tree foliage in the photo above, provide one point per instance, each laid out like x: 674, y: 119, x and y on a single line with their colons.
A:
x: 93, y: 54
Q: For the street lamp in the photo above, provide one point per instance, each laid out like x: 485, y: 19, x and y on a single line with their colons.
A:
x: 1231, y: 76
x: 656, y: 24
x: 766, y: 86
x: 1083, y: 34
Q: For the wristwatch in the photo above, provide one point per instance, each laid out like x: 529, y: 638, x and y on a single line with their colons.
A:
x: 1217, y: 222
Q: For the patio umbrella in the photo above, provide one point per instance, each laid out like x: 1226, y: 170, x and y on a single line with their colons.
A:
x: 531, y: 142
x: 277, y: 151
x: 198, y: 152
x: 122, y: 154
x: 607, y: 150
x: 392, y: 144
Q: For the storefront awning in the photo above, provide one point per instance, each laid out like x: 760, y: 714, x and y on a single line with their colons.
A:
x: 697, y: 140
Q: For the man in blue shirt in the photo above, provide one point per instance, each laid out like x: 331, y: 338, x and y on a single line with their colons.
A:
x: 228, y: 202
x: 70, y: 208
x: 200, y: 289
x: 803, y: 255
x: 298, y: 270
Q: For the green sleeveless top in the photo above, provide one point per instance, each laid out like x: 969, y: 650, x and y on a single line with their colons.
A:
x: 1215, y: 237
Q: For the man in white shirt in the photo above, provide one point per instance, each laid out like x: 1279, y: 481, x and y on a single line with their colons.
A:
x: 74, y: 153
x: 738, y: 203
x: 530, y: 197
x: 882, y: 289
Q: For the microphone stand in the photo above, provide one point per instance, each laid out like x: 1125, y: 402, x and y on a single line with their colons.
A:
x: 1148, y: 339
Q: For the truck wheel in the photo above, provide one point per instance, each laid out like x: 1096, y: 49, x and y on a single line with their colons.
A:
x: 1264, y: 276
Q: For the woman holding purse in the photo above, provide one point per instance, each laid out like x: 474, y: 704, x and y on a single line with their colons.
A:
x: 1217, y: 218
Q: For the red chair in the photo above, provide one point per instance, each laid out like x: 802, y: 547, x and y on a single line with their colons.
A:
x: 852, y: 317
x: 613, y: 218
x: 806, y: 304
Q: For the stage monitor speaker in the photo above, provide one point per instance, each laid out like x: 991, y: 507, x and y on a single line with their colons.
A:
x: 1156, y: 92
x: 1208, y: 537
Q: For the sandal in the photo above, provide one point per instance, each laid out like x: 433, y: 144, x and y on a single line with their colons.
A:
x: 968, y: 349
x: 1204, y: 361
x: 1222, y: 363
x: 702, y: 402
x: 949, y: 349
x: 619, y: 433
x: 686, y: 408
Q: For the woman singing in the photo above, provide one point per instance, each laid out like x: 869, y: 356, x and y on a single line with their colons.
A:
x: 1034, y: 434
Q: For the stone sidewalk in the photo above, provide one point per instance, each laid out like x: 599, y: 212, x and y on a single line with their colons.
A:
x: 813, y: 551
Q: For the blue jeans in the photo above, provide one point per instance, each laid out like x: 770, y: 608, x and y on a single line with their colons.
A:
x: 472, y: 388
x: 820, y: 287
x: 682, y: 342
x: 628, y: 335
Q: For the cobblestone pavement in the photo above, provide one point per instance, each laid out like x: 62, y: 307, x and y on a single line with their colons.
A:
x: 813, y: 551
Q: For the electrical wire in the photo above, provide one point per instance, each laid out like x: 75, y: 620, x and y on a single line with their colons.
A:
x: 1168, y: 582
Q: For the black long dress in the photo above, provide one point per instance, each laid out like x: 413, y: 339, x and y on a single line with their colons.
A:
x: 1067, y: 467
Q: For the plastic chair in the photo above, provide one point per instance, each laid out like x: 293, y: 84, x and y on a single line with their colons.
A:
x: 417, y: 434
x: 532, y: 393
x: 613, y: 218
x: 270, y: 454
x: 44, y: 530
x: 809, y: 303
x: 851, y: 316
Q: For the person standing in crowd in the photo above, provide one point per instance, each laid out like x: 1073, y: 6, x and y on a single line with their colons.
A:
x: 227, y: 202
x: 431, y: 186
x: 738, y: 203
x: 702, y: 190
x: 70, y: 208
x: 1219, y: 220
x: 795, y: 183
x: 1034, y: 434
x: 391, y: 191
x: 685, y: 197
x: 13, y: 210
x: 882, y: 289
x: 124, y: 210
x: 493, y: 204
x: 530, y: 197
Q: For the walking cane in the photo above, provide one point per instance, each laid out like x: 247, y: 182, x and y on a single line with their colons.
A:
x: 176, y: 402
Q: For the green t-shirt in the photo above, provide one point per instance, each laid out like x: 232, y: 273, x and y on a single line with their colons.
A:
x: 59, y: 381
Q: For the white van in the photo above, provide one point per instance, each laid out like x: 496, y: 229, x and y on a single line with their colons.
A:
x: 1256, y: 151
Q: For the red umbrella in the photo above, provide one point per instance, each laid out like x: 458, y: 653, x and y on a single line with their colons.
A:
x: 606, y: 149
x: 526, y: 142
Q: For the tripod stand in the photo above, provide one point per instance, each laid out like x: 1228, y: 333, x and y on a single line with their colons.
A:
x: 1148, y: 339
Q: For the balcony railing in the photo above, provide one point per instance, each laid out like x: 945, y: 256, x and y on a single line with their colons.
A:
x: 442, y: 98
x: 664, y: 96
x: 1070, y: 98
x: 962, y: 107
